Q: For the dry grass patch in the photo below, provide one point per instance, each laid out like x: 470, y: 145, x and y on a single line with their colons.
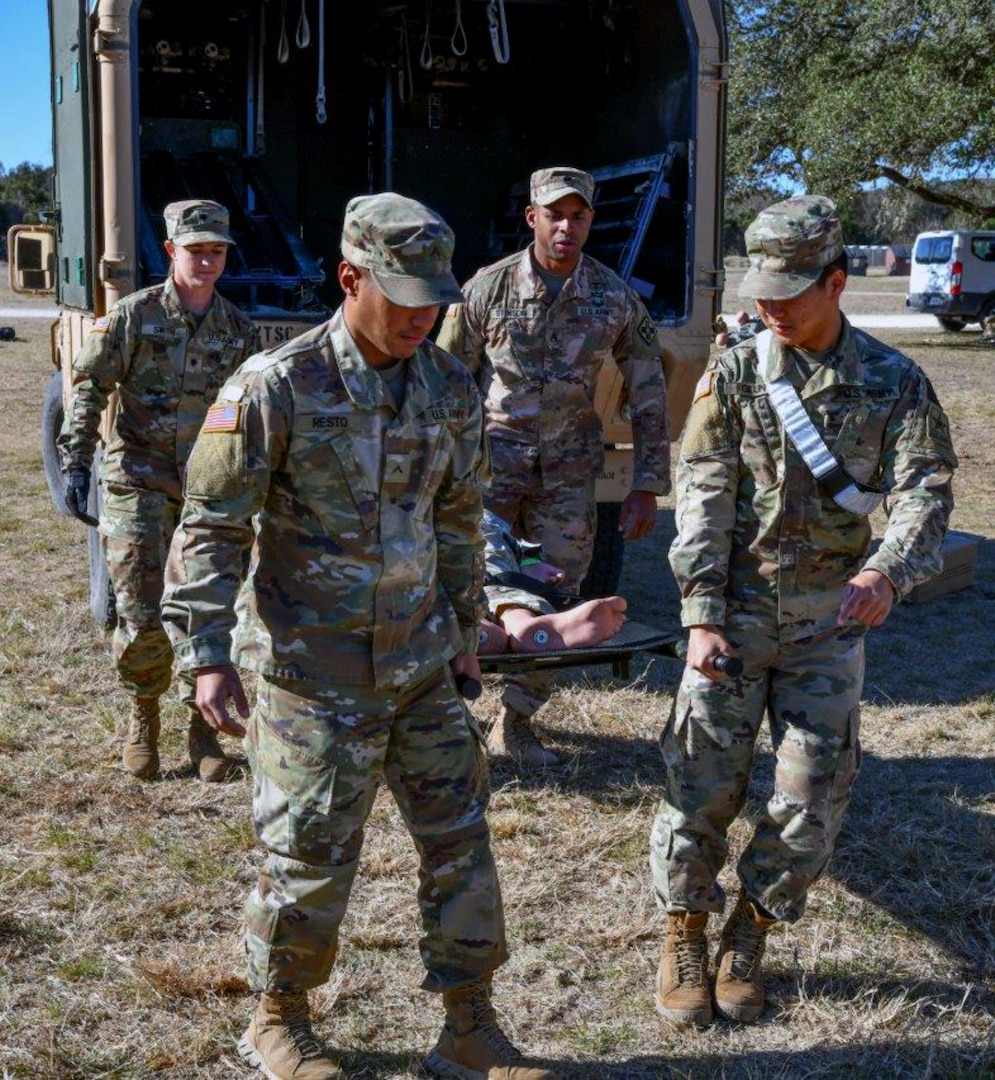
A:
x: 120, y: 902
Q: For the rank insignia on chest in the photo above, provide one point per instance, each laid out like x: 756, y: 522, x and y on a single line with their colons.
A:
x: 597, y: 298
x: 397, y: 469
x: 223, y: 418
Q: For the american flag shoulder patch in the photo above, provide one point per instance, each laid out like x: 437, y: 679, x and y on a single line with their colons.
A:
x: 704, y: 386
x: 223, y: 418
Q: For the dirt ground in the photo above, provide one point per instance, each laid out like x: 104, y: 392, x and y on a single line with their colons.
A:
x: 120, y: 902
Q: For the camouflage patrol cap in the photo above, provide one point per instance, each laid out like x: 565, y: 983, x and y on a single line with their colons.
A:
x: 406, y: 247
x: 788, y: 244
x: 546, y: 186
x: 197, y: 221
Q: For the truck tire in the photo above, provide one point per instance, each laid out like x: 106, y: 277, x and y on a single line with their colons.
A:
x: 102, y: 605
x: 51, y: 424
x: 605, y: 571
x: 951, y: 322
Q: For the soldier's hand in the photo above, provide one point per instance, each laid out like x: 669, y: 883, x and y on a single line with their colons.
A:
x: 466, y: 674
x: 867, y: 598
x: 638, y: 517
x: 705, y: 645
x: 215, y: 685
x: 78, y: 493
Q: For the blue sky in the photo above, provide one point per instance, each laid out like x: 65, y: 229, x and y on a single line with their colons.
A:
x: 25, y: 123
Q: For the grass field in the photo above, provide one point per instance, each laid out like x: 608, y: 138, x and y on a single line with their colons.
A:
x: 120, y: 902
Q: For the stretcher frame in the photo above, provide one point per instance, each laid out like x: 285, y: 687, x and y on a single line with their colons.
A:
x: 617, y: 650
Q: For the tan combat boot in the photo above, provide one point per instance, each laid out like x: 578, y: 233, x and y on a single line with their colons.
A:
x: 513, y: 735
x: 141, y: 745
x: 739, y: 987
x: 280, y: 1042
x: 205, y: 751
x: 472, y: 1046
x: 682, y: 994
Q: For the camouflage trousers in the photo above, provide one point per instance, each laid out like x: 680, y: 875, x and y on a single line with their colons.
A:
x: 500, y: 558
x: 810, y: 690
x: 136, y: 528
x: 558, y: 513
x: 318, y: 755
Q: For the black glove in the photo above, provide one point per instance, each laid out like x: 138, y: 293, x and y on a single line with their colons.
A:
x: 77, y: 494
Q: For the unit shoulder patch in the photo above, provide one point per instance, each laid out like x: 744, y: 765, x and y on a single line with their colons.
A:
x: 647, y: 330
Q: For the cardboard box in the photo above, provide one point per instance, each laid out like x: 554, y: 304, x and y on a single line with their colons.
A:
x: 960, y: 556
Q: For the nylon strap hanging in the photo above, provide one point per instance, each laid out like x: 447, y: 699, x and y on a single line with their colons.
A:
x: 260, y: 86
x: 847, y: 492
x: 319, y: 102
x: 498, y: 24
x: 458, y: 42
x: 404, y: 81
x: 425, y: 58
x: 303, y: 35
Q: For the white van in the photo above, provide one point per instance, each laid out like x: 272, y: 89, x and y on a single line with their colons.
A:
x: 953, y: 277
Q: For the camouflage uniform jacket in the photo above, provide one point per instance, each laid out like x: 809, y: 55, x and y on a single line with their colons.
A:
x: 364, y: 522
x: 167, y: 370
x: 537, y: 361
x: 759, y: 545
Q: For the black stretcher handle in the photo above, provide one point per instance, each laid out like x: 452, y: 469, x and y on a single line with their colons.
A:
x: 728, y: 665
x: 468, y: 687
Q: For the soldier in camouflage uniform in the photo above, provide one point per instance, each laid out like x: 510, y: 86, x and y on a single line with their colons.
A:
x: 772, y: 566
x: 536, y: 329
x: 349, y: 462
x: 167, y: 350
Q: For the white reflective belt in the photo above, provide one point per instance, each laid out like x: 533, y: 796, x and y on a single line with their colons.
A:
x: 845, y: 490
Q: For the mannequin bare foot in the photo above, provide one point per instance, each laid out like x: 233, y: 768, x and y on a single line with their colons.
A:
x: 587, y: 624
x: 493, y: 639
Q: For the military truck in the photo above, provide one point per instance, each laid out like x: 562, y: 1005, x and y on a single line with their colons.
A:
x: 283, y: 109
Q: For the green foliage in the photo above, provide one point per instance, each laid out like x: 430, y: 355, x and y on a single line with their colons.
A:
x: 830, y: 95
x: 25, y: 192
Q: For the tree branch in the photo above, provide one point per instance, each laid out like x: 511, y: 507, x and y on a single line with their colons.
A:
x: 931, y: 195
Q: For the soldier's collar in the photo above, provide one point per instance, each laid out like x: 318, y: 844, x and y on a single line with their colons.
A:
x: 531, y: 285
x: 364, y: 384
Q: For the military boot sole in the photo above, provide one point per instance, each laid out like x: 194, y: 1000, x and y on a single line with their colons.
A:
x: 147, y: 771
x: 699, y: 1017
x: 251, y: 1056
x: 533, y: 757
x: 214, y: 771
x: 742, y: 1014
x: 438, y: 1065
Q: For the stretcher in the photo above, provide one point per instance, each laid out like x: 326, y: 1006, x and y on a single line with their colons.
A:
x: 617, y: 650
